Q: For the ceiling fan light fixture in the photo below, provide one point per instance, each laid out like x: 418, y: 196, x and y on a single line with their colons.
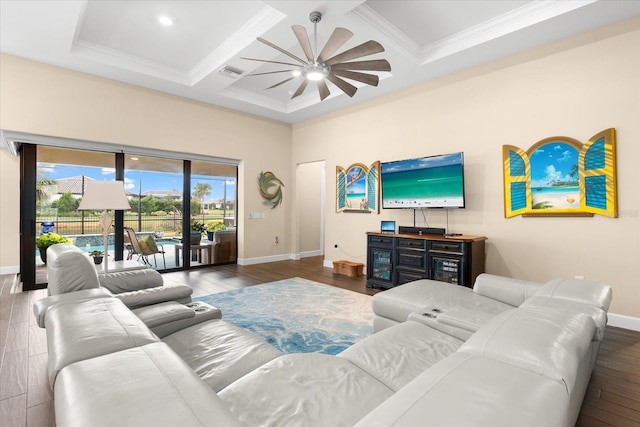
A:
x: 315, y: 71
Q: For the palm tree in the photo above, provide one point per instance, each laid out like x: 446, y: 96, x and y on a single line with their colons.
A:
x: 45, y: 187
x: 200, y: 191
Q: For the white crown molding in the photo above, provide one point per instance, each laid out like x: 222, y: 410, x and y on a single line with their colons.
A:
x: 250, y: 97
x: 128, y: 62
x: 259, y: 24
x: 522, y: 17
x: 405, y: 43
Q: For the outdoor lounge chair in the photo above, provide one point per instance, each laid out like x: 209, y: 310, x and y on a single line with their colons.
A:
x: 144, y: 247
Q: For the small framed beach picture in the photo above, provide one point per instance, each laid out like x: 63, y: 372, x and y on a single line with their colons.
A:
x: 560, y: 176
x: 357, y: 188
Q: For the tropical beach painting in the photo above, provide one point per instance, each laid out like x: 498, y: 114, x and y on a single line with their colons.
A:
x: 357, y: 188
x: 554, y: 177
x: 560, y: 176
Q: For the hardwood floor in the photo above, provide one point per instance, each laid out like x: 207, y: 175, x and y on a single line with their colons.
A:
x: 612, y: 399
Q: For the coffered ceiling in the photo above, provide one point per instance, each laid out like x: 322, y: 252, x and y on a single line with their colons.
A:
x: 198, y: 55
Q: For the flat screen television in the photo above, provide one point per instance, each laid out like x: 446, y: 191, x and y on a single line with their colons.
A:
x: 427, y: 182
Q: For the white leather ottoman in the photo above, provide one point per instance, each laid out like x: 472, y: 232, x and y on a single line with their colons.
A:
x: 395, y: 305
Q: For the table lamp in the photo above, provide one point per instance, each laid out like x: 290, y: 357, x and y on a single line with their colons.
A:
x: 104, y: 195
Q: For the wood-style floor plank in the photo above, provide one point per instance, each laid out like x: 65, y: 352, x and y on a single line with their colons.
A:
x: 13, y: 377
x: 612, y: 398
x: 13, y: 411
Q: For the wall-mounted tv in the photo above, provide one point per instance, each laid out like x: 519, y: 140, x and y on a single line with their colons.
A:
x: 427, y: 182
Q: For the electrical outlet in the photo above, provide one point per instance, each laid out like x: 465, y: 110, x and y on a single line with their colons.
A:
x: 335, y: 246
x: 276, y: 241
x: 579, y: 277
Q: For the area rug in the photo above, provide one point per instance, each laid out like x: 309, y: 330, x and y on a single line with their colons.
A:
x: 298, y: 315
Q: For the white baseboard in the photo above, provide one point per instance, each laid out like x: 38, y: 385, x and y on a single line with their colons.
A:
x: 309, y: 254
x: 12, y: 269
x: 265, y: 259
x: 625, y: 322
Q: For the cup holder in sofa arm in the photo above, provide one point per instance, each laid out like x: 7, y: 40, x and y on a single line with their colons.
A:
x: 178, y: 316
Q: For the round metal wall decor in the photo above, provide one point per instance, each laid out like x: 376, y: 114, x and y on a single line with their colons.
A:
x: 270, y: 189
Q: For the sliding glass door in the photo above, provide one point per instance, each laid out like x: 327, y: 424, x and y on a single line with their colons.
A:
x: 156, y: 217
x: 170, y: 199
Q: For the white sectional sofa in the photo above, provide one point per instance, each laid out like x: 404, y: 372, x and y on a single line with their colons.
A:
x: 523, y: 366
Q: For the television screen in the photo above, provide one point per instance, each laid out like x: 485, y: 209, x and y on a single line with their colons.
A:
x: 428, y: 182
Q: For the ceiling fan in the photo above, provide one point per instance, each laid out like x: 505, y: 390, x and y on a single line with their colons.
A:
x: 323, y: 66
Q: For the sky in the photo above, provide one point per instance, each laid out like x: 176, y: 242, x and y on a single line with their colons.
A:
x: 150, y: 180
x: 553, y: 162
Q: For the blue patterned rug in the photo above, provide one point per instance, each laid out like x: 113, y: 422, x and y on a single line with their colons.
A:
x: 298, y: 315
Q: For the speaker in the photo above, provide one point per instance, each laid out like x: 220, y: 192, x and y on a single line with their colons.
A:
x: 421, y: 230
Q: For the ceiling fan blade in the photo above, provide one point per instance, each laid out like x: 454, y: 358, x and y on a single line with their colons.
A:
x: 323, y: 90
x: 370, y: 79
x: 270, y: 72
x: 282, y: 82
x: 303, y: 39
x: 366, y: 48
x: 301, y: 88
x: 346, y: 87
x: 289, y: 54
x: 373, y: 65
x: 339, y: 37
x: 272, y: 62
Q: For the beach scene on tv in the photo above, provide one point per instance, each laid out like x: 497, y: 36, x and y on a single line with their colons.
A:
x: 554, y: 177
x: 436, y: 181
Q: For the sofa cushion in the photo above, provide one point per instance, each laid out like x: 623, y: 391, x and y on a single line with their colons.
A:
x: 308, y: 390
x: 220, y: 352
x: 142, y: 386
x: 586, y: 291
x: 544, y: 341
x: 510, y: 291
x: 469, y: 390
x: 69, y: 269
x: 598, y: 315
x: 397, y: 355
x: 85, y: 329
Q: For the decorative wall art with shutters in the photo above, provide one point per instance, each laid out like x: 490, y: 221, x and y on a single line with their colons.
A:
x: 560, y: 176
x: 358, y: 188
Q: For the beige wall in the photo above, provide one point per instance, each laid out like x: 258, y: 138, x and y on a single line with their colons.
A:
x: 47, y: 100
x: 309, y: 207
x: 574, y: 88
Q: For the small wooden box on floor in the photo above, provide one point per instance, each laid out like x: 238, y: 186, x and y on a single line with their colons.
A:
x: 348, y: 268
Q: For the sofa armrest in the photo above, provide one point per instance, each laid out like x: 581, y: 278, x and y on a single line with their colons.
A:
x: 41, y: 306
x: 134, y: 280
x: 505, y: 289
x: 140, y: 298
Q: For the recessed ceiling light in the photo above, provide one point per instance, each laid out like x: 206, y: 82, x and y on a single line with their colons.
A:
x: 165, y: 20
x: 134, y: 158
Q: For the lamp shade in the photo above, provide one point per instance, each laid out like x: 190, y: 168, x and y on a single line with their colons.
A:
x: 100, y: 195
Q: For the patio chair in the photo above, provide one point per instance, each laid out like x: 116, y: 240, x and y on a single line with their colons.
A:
x: 144, y: 247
